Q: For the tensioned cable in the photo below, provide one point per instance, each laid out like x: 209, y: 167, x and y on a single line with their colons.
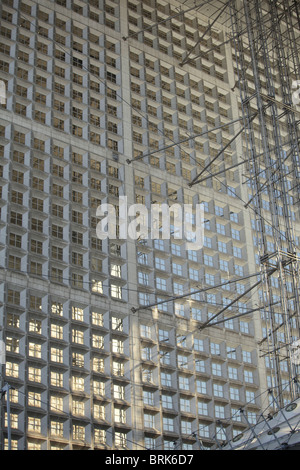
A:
x: 65, y: 415
x: 185, y: 140
x: 166, y: 19
x: 172, y: 298
x: 195, y: 292
x: 220, y: 182
x: 142, y: 114
x: 229, y: 420
x: 101, y: 81
x: 186, y: 59
x: 104, y: 83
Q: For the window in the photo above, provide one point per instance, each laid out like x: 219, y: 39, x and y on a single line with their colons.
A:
x: 57, y: 275
x: 168, y: 424
x: 97, y: 286
x: 208, y: 260
x: 239, y: 270
x: 111, y: 77
x: 198, y: 344
x: 16, y: 218
x: 116, y: 291
x: 186, y: 427
x: 56, y: 379
x: 237, y: 252
x: 57, y: 308
x: 117, y: 324
x: 115, y: 270
x: 34, y: 374
x: 224, y: 265
x: 100, y: 436
x: 78, y: 384
x: 233, y: 373
x: 250, y: 396
x: 184, y: 383
x: 98, y: 387
x: 147, y: 375
x: 194, y: 274
x: 216, y: 369
x: 248, y: 376
x: 235, y: 234
x: 161, y: 283
x: 196, y: 314
x: 34, y: 424
x: 218, y: 390
x: 56, y: 428
x: 117, y: 346
x: 118, y: 368
x: 165, y: 358
x: 148, y: 398
x: 149, y: 420
x: 215, y: 348
x: 143, y: 278
x: 244, y: 327
x: 119, y: 392
x: 56, y: 355
x: 176, y: 249
x: 14, y: 262
x: 97, y: 318
x: 219, y: 211
x: 192, y: 255
x: 120, y: 439
x: 36, y: 268
x: 12, y: 369
x: 56, y: 331
x: 34, y: 350
x: 234, y: 393
x: 166, y: 380
x: 160, y: 263
x: 78, y: 407
x: 177, y: 288
x: 12, y: 345
x: 163, y: 335
x: 120, y: 415
x: 78, y: 432
x: 201, y: 386
x: 203, y: 408
x: 97, y: 341
x: 77, y: 359
x: 145, y: 331
x: 222, y: 247
x: 185, y: 405
x: 179, y: 309
x: 177, y: 269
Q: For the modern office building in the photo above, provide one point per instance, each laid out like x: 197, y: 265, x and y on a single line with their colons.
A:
x: 110, y: 343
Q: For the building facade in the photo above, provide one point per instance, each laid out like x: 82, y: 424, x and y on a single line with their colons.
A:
x: 108, y: 343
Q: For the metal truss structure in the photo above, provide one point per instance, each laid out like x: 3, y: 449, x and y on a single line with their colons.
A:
x: 267, y: 31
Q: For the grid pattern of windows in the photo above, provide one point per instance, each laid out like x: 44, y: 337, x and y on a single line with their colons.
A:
x: 60, y: 159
